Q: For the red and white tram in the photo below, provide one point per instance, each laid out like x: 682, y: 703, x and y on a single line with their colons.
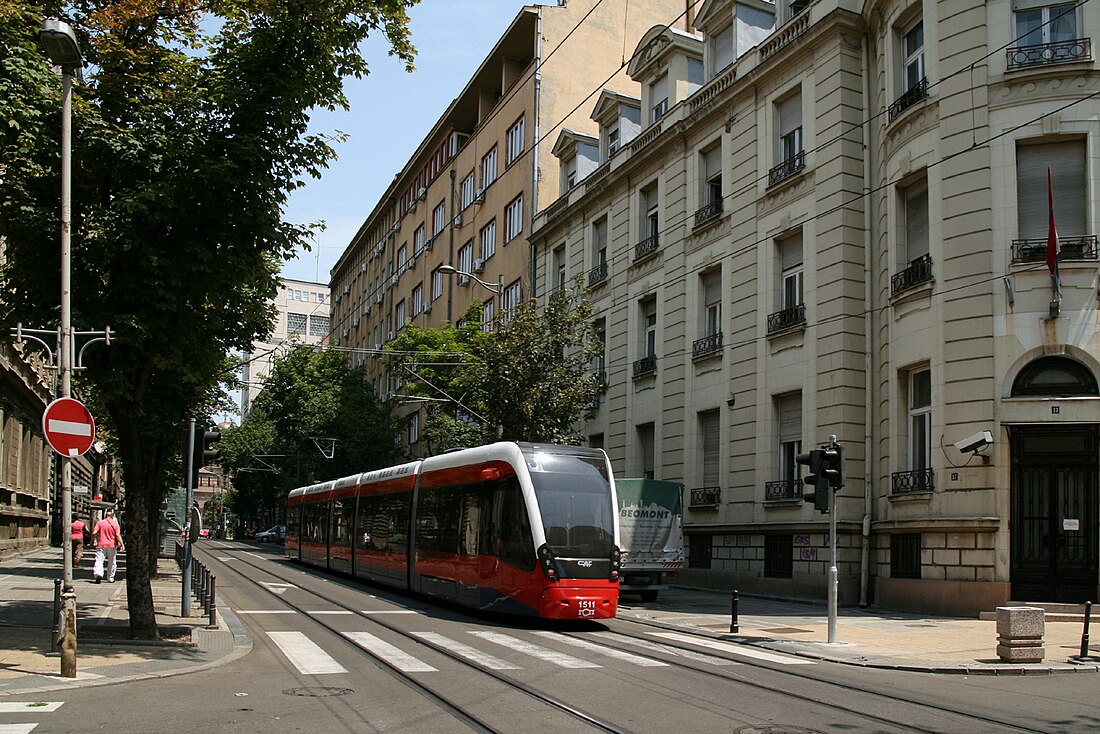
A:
x: 510, y: 527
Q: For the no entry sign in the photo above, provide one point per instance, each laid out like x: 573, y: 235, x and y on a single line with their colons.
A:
x: 69, y: 427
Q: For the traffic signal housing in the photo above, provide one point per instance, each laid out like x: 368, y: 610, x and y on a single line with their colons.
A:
x: 833, y: 465
x: 205, y: 450
x: 815, y: 461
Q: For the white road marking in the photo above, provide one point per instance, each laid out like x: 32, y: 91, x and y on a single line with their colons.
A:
x: 19, y: 707
x: 380, y: 648
x: 257, y: 555
x: 470, y: 653
x: 604, y: 650
x: 307, y: 657
x: 390, y: 611
x: 265, y: 611
x: 668, y: 649
x: 735, y: 649
x: 17, y: 728
x: 537, y: 651
x: 277, y: 587
x: 321, y: 612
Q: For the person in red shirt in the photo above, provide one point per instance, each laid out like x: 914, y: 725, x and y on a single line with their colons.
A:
x: 107, y: 536
x: 77, y: 537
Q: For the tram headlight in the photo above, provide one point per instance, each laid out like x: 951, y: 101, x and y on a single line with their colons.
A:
x: 548, y: 563
x: 616, y: 562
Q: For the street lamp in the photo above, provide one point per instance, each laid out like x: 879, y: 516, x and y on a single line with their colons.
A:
x: 59, y: 42
x: 498, y: 289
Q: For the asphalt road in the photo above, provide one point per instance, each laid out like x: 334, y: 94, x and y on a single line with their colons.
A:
x: 332, y: 655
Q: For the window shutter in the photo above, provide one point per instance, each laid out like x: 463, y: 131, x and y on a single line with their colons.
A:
x: 916, y: 221
x: 712, y: 287
x: 790, y: 252
x: 790, y: 418
x: 712, y: 162
x: 710, y: 427
x: 790, y: 114
x: 1067, y: 168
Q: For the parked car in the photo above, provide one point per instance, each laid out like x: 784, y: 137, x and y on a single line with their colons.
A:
x: 274, y: 534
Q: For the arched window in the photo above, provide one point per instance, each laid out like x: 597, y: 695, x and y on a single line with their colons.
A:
x: 1054, y: 376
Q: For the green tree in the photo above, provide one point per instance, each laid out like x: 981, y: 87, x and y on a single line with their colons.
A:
x: 189, y: 134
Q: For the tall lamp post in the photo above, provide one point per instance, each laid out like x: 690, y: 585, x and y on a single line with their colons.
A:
x: 59, y: 42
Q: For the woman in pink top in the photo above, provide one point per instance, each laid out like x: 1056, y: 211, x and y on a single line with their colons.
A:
x: 77, y: 537
x: 108, y: 541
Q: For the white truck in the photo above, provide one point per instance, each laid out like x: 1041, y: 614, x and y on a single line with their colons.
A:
x: 651, y: 534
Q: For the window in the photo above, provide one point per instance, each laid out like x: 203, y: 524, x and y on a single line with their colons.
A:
x: 778, y: 556
x: 651, y: 220
x: 568, y: 175
x: 418, y: 241
x: 712, y: 303
x: 466, y: 258
x: 513, y: 219
x: 399, y: 314
x: 558, y: 273
x: 905, y: 556
x: 417, y: 299
x: 487, y: 315
x: 913, y: 50
x: 515, y: 142
x: 700, y: 550
x: 612, y: 141
x: 649, y: 327
x: 414, y: 428
x: 439, y: 219
x: 790, y: 128
x: 595, y: 441
x: 920, y: 420
x: 489, y: 168
x: 1066, y: 161
x: 321, y: 298
x: 599, y: 242
x: 487, y: 240
x: 599, y: 364
x: 402, y: 258
x: 511, y: 298
x: 712, y: 175
x: 437, y: 284
x: 319, y: 325
x: 1052, y: 24
x: 790, y: 273
x: 658, y: 98
x: 721, y: 50
x: 647, y: 450
x: 710, y: 435
x: 296, y: 323
x: 1054, y: 376
x: 789, y: 410
x: 914, y: 243
x: 466, y: 191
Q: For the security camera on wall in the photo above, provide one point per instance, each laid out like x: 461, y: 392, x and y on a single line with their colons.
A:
x: 975, y: 443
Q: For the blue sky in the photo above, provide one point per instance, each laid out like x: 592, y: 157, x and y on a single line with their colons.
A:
x: 391, y: 112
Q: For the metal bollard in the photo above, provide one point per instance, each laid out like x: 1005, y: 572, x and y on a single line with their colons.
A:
x: 206, y: 589
x: 213, y: 602
x: 734, y: 627
x: 55, y: 635
x: 1085, y: 635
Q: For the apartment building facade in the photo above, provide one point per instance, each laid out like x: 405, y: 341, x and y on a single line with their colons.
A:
x: 830, y: 218
x: 304, y: 317
x: 464, y: 198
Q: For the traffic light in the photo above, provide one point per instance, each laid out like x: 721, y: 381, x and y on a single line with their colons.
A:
x: 205, y: 450
x: 833, y: 468
x: 815, y: 462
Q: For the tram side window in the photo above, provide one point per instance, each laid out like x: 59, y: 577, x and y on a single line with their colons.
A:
x: 511, y: 532
x: 341, y: 522
x: 383, y: 523
x: 448, y: 518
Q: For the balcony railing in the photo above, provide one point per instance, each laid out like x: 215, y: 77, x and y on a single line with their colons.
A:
x: 1082, y: 247
x: 908, y: 482
x: 710, y: 344
x: 708, y: 212
x: 787, y: 318
x: 915, y: 94
x: 919, y: 271
x: 646, y: 247
x: 787, y: 168
x: 705, y: 497
x: 645, y: 366
x: 1061, y: 52
x: 784, y: 489
x: 597, y: 275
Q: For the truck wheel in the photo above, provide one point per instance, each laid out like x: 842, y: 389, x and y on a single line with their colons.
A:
x: 648, y: 595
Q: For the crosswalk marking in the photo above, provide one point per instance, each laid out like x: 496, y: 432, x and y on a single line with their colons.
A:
x: 7, y: 707
x: 733, y: 648
x: 17, y: 728
x: 537, y: 651
x: 305, y: 654
x: 668, y: 649
x: 394, y: 656
x: 470, y: 653
x: 322, y: 612
x: 604, y: 650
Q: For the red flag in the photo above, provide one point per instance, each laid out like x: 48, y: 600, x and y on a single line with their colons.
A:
x: 1052, y: 231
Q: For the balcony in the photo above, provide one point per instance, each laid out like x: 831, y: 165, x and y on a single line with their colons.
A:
x: 919, y: 271
x: 784, y: 489
x: 1061, y: 52
x: 597, y: 275
x: 1034, y: 250
x: 645, y: 366
x: 646, y: 247
x: 787, y: 318
x: 702, y: 497
x: 708, y: 345
x: 918, y: 92
x: 787, y: 168
x: 708, y: 212
x: 912, y: 482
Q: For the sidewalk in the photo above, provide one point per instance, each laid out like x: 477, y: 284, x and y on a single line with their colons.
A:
x: 105, y: 654
x: 864, y: 637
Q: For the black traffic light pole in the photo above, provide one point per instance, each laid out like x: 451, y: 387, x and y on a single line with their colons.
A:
x: 185, y: 601
x: 826, y: 467
x: 832, y: 549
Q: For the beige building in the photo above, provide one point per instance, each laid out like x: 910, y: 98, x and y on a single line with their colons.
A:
x: 304, y: 317
x: 466, y: 195
x: 825, y: 218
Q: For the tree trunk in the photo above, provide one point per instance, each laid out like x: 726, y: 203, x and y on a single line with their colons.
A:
x: 142, y: 504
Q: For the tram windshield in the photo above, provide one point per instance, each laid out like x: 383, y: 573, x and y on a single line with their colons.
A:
x: 574, y: 496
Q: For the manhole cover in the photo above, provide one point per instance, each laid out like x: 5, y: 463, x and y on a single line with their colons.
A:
x: 776, y: 729
x: 318, y: 691
x: 787, y: 630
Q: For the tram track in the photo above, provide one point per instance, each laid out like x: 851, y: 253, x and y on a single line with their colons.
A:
x: 459, y: 711
x: 968, y: 721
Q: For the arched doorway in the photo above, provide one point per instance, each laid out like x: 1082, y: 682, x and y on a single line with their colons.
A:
x: 1055, y: 482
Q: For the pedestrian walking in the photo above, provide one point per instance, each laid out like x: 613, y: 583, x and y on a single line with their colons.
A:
x: 77, y: 538
x: 107, y: 536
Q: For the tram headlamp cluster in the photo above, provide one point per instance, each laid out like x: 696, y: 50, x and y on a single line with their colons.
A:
x: 616, y: 562
x: 548, y: 563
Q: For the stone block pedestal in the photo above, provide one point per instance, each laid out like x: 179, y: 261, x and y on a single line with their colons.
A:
x: 1020, y: 634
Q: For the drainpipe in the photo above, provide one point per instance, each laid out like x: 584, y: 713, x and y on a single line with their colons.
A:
x: 534, y: 206
x: 868, y: 357
x: 451, y: 252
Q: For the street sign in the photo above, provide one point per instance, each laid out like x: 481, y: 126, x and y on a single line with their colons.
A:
x: 80, y: 489
x: 69, y: 427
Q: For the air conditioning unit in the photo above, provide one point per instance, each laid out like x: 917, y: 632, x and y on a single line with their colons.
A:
x: 380, y: 249
x: 392, y: 334
x: 479, y: 266
x: 411, y: 264
x: 355, y: 322
x: 378, y: 346
x: 458, y: 219
x: 347, y: 288
x: 422, y: 194
x: 428, y: 308
x: 379, y: 297
x: 345, y: 332
x: 464, y: 280
x: 362, y: 267
x: 395, y: 280
x: 479, y: 197
x: 430, y: 245
x: 339, y: 297
x: 367, y: 308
